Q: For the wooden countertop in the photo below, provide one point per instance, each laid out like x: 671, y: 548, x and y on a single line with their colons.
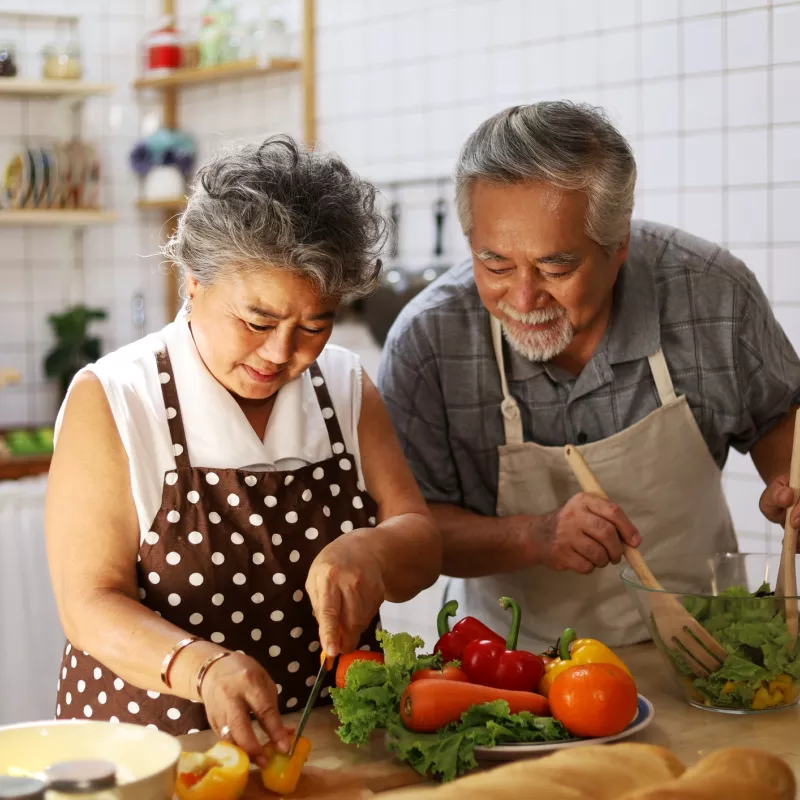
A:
x: 689, y: 732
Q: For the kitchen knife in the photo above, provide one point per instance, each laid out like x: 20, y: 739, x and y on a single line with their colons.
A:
x: 326, y: 664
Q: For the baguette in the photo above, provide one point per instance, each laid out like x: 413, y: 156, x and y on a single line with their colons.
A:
x: 591, y: 772
x: 735, y: 773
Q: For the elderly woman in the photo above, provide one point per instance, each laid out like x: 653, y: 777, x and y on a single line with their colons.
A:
x: 227, y: 496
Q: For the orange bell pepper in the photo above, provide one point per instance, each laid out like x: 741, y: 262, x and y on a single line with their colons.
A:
x: 282, y: 772
x: 220, y: 773
x: 572, y: 651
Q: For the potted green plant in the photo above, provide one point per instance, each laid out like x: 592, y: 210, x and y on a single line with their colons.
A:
x: 74, y: 347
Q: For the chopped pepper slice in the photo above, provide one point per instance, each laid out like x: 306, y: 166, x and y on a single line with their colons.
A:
x: 573, y: 651
x: 500, y: 664
x: 218, y: 774
x: 452, y: 643
x: 282, y: 773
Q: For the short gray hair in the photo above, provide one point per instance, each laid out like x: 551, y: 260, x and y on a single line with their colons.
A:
x: 568, y: 145
x: 279, y: 204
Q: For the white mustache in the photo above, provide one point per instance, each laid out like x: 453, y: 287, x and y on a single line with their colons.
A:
x: 535, y: 317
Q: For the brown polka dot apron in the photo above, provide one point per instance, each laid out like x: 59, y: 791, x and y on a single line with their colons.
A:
x: 226, y: 559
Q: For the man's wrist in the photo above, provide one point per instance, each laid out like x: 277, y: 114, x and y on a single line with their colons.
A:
x: 527, y: 543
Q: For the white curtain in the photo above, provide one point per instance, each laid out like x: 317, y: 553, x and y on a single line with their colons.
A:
x: 31, y: 638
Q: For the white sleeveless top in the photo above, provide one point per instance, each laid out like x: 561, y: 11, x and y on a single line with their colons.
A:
x: 217, y: 431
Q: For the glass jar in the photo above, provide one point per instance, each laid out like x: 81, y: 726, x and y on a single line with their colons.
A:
x: 8, y: 60
x: 62, y: 62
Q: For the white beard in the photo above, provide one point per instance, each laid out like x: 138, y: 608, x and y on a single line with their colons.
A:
x: 538, y: 345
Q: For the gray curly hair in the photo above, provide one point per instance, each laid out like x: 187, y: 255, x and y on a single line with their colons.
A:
x: 569, y: 145
x: 279, y: 204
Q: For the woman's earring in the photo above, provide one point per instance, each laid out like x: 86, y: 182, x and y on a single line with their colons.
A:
x: 188, y: 304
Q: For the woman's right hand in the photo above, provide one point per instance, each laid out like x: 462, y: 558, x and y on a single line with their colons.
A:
x: 236, y: 687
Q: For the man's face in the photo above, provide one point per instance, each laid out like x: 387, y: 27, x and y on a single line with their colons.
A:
x: 537, y: 270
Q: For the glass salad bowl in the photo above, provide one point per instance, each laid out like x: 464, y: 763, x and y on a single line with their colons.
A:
x: 731, y: 595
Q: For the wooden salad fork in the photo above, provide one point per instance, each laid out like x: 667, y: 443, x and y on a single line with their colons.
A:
x: 787, y: 576
x: 676, y: 626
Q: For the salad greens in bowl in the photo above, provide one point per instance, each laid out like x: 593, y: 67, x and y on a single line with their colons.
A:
x: 731, y: 596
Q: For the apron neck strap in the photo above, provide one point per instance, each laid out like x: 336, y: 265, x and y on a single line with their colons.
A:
x: 326, y: 404
x: 512, y: 420
x: 172, y: 405
x: 663, y: 381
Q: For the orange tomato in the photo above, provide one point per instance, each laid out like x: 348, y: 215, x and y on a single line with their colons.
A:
x: 594, y: 699
x: 347, y: 659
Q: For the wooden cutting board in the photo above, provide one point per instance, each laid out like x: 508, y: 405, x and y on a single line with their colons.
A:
x: 334, y: 771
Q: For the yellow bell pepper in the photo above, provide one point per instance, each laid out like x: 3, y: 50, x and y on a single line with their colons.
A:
x: 573, y: 651
x: 220, y: 773
x: 282, y: 773
x: 777, y: 692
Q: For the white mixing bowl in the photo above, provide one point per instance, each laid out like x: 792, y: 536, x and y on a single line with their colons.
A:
x: 146, y: 759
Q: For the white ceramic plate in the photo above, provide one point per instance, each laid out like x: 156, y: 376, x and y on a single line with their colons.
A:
x: 509, y: 752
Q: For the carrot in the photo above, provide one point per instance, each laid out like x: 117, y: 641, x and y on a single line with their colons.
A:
x: 428, y: 705
x: 346, y: 660
x: 444, y: 674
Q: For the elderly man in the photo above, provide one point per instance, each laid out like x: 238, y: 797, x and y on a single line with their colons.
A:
x: 651, y: 349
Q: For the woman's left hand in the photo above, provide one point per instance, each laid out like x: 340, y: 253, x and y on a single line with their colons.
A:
x: 346, y: 589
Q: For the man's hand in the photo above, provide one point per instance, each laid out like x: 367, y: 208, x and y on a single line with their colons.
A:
x: 776, y: 499
x: 585, y: 533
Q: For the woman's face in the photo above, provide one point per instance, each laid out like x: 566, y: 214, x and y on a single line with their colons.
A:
x: 257, y: 330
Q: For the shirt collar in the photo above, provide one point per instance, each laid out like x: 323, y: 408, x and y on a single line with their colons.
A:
x: 296, y: 427
x: 635, y: 328
x: 633, y: 332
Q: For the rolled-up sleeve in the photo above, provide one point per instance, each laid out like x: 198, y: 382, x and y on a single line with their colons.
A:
x: 768, y: 370
x: 409, y: 383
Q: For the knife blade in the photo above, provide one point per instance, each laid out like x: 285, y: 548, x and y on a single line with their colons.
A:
x: 326, y: 664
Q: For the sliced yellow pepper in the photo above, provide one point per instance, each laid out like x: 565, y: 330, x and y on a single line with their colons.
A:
x: 776, y: 698
x: 572, y: 651
x: 760, y: 699
x: 220, y: 773
x: 729, y: 687
x: 282, y: 773
x: 780, y: 682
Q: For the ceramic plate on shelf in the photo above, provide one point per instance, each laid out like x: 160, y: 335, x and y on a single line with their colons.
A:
x: 509, y: 752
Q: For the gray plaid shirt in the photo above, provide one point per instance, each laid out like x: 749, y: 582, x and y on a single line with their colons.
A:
x: 724, y: 348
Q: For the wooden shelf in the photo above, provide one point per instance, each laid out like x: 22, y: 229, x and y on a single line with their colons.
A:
x: 171, y: 204
x: 20, y: 87
x: 74, y: 217
x: 15, y: 467
x: 224, y: 72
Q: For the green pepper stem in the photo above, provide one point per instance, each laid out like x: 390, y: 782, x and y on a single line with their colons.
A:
x: 443, y: 620
x: 565, y: 642
x: 507, y: 603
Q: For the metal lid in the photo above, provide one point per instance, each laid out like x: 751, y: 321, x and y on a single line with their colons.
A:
x: 22, y: 788
x: 76, y: 777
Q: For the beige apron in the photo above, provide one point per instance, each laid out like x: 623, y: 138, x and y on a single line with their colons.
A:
x: 659, y: 471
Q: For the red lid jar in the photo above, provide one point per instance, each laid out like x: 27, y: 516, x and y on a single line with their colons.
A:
x: 163, y: 50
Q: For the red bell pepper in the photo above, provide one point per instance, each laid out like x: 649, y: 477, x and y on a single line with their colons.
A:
x: 451, y: 644
x: 501, y: 665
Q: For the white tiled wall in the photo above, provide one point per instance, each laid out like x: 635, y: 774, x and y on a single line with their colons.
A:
x: 708, y: 92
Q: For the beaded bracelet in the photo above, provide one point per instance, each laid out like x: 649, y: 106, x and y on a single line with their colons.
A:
x: 166, y: 664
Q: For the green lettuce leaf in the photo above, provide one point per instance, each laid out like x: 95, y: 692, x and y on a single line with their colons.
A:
x: 371, y: 697
x: 448, y: 753
x: 752, y: 629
